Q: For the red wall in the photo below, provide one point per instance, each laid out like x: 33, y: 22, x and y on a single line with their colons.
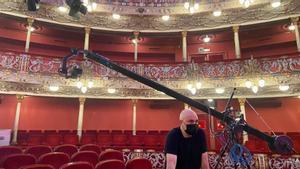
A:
x: 107, y: 114
x: 152, y: 116
x: 46, y: 113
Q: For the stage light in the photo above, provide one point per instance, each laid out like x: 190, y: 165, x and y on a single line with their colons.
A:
x: 206, y: 39
x: 165, y: 17
x: 111, y: 90
x: 254, y: 89
x: 220, y: 90
x: 116, y: 16
x: 76, y: 6
x: 33, y: 5
x: 284, y: 87
x: 261, y: 83
x: 275, y: 3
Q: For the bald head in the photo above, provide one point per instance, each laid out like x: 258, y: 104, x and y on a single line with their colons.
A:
x: 187, y: 114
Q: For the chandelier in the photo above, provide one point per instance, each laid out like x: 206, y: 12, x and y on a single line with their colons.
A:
x: 246, y: 3
x: 191, y: 6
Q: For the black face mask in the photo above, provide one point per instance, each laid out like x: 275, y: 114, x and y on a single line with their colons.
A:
x: 191, y: 129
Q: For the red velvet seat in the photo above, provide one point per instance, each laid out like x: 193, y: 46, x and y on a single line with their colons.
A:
x: 104, y: 140
x: 136, y: 141
x: 71, y: 138
x: 35, y: 137
x: 111, y: 154
x: 15, y: 161
x: 56, y: 159
x: 53, y: 138
x: 138, y: 163
x: 151, y: 141
x: 38, y: 166
x: 8, y: 150
x: 88, y: 156
x: 90, y: 147
x: 110, y: 164
x: 38, y: 150
x: 89, y: 137
x: 66, y: 148
x: 22, y: 137
x: 77, y: 165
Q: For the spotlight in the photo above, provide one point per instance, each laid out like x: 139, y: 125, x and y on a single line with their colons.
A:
x: 75, y: 72
x: 75, y: 7
x: 33, y: 5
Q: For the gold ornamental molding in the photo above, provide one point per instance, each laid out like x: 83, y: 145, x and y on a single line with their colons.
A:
x: 217, y: 79
x: 151, y: 22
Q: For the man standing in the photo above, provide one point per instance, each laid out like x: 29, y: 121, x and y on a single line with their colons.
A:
x: 186, y: 145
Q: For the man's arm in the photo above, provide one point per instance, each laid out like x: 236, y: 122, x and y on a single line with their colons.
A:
x: 204, y: 163
x: 171, y: 161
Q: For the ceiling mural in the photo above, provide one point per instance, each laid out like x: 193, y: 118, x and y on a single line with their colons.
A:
x: 150, y: 20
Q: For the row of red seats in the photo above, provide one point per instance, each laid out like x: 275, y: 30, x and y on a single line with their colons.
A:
x: 12, y: 157
x: 114, y: 139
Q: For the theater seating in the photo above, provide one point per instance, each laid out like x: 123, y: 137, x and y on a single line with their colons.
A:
x: 66, y: 148
x: 15, y: 161
x: 77, y: 165
x: 70, y: 137
x: 55, y: 159
x: 38, y: 150
x: 88, y: 156
x: 89, y: 137
x: 53, y: 138
x: 138, y: 163
x: 38, y: 166
x: 35, y: 137
x: 110, y: 164
x: 104, y: 139
x: 8, y: 150
x: 91, y: 147
x: 111, y: 154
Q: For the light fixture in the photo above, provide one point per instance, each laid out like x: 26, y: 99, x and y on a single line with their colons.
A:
x: 292, y: 27
x: 76, y: 6
x: 210, y: 100
x: 217, y: 13
x: 220, y: 90
x: 111, y: 90
x: 116, y: 16
x: 53, y: 88
x: 94, y: 5
x: 206, y: 39
x: 246, y: 3
x: 193, y: 87
x: 193, y: 91
x: 275, y: 3
x: 191, y: 6
x: 261, y: 83
x: 31, y: 28
x: 299, y: 97
x: 254, y: 89
x: 62, y: 9
x: 83, y: 89
x: 165, y: 17
x: 284, y: 87
x: 198, y: 85
x: 33, y: 5
x: 135, y: 41
x: 248, y: 84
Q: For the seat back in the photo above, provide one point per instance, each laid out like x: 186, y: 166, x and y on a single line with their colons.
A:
x: 38, y: 150
x: 90, y: 147
x: 88, y: 156
x: 8, y: 150
x: 138, y: 163
x: 56, y: 159
x: 111, y: 154
x: 77, y: 165
x: 110, y: 164
x: 38, y: 166
x: 15, y: 161
x: 66, y: 148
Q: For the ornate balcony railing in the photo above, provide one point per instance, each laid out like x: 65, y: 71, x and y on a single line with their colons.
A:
x: 34, y: 70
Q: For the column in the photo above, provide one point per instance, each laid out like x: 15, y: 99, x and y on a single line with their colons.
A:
x: 87, y: 38
x: 80, y: 117
x: 237, y: 42
x: 136, y: 37
x: 17, y: 118
x: 243, y: 112
x: 295, y: 22
x: 212, y: 126
x: 184, y: 46
x: 134, y: 117
x: 29, y: 22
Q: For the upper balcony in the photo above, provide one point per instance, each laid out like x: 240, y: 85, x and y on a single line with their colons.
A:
x: 23, y: 73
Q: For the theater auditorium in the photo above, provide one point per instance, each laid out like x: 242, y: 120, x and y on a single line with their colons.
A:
x: 99, y: 84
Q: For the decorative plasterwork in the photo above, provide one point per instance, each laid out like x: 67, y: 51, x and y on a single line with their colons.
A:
x: 153, y: 23
x: 32, y: 75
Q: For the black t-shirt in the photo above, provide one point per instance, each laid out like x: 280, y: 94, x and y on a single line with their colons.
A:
x: 188, y: 150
